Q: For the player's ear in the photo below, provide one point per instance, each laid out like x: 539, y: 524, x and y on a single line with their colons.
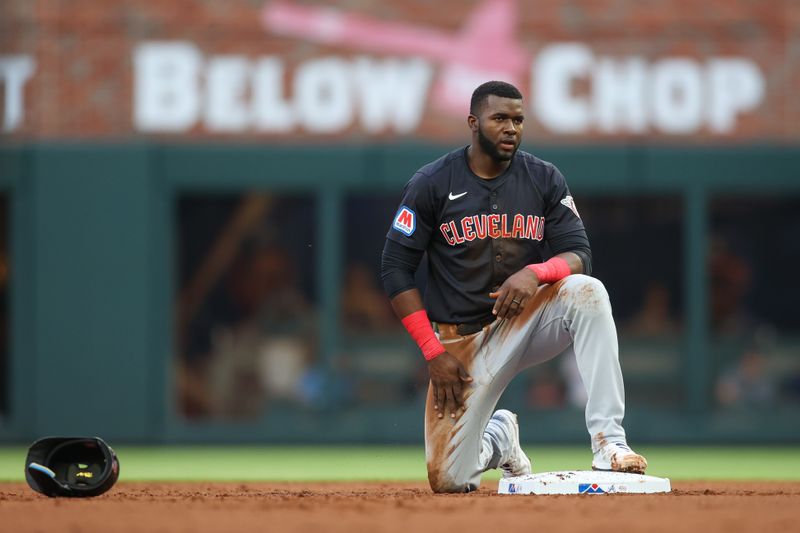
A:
x: 472, y: 122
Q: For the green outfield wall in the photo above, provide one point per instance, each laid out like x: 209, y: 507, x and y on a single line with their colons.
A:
x: 93, y: 282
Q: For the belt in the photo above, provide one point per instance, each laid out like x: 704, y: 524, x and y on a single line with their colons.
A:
x: 448, y: 331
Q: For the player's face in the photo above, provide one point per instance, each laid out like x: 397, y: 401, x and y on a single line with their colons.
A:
x: 500, y: 127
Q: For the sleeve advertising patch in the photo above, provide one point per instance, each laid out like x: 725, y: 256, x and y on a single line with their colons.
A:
x: 570, y: 202
x: 405, y: 221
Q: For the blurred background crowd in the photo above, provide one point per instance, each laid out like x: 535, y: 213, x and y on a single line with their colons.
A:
x: 253, y: 329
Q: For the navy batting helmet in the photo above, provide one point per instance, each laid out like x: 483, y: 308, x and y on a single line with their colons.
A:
x: 71, y: 466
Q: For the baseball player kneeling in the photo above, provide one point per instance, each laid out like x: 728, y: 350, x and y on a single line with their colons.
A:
x: 493, y: 307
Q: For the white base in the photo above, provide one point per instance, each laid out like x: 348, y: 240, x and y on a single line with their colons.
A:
x: 583, y: 482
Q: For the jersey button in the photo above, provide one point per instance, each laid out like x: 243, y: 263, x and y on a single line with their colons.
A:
x: 498, y: 257
x: 494, y: 206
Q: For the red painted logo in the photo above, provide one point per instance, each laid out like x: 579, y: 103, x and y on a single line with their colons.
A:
x: 485, y: 48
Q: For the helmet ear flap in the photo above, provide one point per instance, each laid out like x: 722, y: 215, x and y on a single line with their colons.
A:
x: 46, y: 481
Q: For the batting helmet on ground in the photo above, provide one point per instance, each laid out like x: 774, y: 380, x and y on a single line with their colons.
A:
x: 71, y: 466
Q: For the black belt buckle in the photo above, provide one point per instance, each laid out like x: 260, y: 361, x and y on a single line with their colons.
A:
x: 474, y: 327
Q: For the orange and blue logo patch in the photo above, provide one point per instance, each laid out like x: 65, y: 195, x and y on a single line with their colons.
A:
x: 405, y: 221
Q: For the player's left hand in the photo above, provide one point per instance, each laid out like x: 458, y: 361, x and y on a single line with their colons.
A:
x: 513, y: 293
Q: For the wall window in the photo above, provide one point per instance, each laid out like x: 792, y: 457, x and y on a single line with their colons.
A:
x: 637, y: 251
x: 755, y: 327
x: 382, y: 362
x: 246, y: 322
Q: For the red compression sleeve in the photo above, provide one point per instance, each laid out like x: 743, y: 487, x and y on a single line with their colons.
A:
x: 419, y: 327
x: 551, y: 271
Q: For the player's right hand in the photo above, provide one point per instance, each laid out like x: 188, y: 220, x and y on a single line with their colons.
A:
x: 447, y: 376
x: 512, y: 295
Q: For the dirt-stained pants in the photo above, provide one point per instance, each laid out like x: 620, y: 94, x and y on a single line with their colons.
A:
x: 572, y: 314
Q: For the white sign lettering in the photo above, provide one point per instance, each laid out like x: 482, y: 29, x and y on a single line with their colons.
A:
x: 572, y: 91
x: 226, y: 108
x: 166, y: 96
x: 272, y: 112
x: 390, y: 95
x: 554, y: 74
x: 176, y: 89
x: 628, y: 95
x: 15, y: 71
x: 619, y: 95
x: 737, y: 86
x: 323, y: 97
x: 677, y: 87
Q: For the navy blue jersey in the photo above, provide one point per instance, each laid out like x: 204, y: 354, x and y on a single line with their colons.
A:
x: 478, y: 232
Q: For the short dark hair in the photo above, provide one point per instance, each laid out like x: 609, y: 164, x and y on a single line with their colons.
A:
x: 497, y: 88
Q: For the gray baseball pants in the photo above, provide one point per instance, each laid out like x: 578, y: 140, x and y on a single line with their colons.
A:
x: 572, y: 314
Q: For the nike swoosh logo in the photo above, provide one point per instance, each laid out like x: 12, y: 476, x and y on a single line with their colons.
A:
x: 457, y: 196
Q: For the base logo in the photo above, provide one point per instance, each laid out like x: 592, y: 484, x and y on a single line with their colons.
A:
x: 512, y: 488
x: 590, y: 488
x: 405, y: 221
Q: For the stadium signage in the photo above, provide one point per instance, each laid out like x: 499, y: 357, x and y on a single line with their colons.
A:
x: 15, y: 71
x: 177, y: 88
x: 572, y: 89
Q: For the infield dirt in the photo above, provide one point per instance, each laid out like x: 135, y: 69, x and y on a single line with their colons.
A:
x: 400, y: 507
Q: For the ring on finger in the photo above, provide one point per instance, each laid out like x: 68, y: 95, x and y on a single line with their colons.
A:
x: 516, y: 302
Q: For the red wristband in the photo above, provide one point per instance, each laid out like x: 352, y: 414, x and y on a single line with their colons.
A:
x: 419, y: 327
x: 551, y: 271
